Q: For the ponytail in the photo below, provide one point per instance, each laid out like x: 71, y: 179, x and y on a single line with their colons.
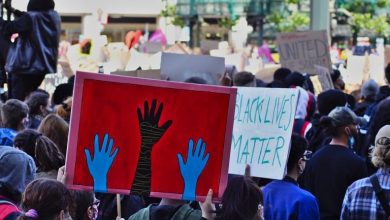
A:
x: 48, y: 155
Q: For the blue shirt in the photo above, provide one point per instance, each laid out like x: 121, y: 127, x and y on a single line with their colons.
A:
x: 283, y: 199
x: 7, y: 136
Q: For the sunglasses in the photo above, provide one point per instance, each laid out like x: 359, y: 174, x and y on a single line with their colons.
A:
x: 307, y: 155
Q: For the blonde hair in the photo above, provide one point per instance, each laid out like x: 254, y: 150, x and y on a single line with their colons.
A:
x: 381, y: 156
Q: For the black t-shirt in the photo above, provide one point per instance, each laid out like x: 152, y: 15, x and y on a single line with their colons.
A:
x: 329, y: 173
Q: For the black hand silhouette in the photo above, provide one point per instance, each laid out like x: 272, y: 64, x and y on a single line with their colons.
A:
x: 150, y: 135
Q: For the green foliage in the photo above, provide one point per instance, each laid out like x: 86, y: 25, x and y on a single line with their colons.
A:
x: 294, y: 22
x: 377, y: 25
x: 169, y: 11
x: 291, y: 1
x: 383, y: 3
x: 227, y: 22
x: 178, y: 21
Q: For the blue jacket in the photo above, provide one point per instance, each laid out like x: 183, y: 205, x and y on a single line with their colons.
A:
x: 283, y: 199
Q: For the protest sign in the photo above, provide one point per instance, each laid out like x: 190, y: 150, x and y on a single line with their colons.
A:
x: 356, y: 68
x: 324, y: 77
x: 300, y: 51
x: 147, y: 74
x: 149, y: 137
x: 180, y: 67
x: 263, y: 122
x: 207, y: 45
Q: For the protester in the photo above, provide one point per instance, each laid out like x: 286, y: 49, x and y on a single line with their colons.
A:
x: 283, y: 199
x: 62, y: 93
x: 56, y: 129
x: 363, y: 199
x: 368, y: 93
x: 337, y: 80
x: 279, y: 78
x: 326, y: 102
x: 242, y: 199
x: 14, y: 115
x: 64, y: 109
x: 335, y: 166
x: 83, y: 206
x: 39, y: 28
x: 168, y: 209
x: 306, y: 103
x: 244, y: 79
x: 45, y: 153
x: 384, y: 92
x: 38, y: 104
x: 45, y: 199
x: 17, y: 169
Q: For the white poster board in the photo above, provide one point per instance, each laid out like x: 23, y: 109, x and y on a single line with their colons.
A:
x: 300, y: 51
x: 179, y: 67
x: 263, y: 123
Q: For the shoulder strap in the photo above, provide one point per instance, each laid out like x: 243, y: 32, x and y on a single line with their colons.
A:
x: 380, y: 194
x: 5, y: 202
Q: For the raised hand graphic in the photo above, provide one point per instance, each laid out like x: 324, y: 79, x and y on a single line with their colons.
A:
x: 151, y: 133
x: 193, y: 167
x: 101, y: 162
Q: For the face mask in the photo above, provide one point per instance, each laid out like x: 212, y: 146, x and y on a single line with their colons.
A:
x: 351, y: 142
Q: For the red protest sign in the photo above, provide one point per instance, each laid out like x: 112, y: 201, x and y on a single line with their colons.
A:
x: 143, y: 136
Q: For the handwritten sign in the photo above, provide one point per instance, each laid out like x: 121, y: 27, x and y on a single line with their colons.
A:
x: 300, y: 51
x: 149, y: 137
x: 263, y: 123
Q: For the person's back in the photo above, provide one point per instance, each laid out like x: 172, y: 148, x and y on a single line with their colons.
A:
x: 157, y: 212
x: 329, y: 173
x: 17, y: 169
x: 361, y: 200
x: 335, y: 166
x: 283, y: 199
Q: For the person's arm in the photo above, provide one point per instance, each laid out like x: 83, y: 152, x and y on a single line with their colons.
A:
x: 20, y: 25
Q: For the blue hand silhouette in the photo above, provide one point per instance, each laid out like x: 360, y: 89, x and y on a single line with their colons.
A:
x: 100, y: 164
x: 191, y: 170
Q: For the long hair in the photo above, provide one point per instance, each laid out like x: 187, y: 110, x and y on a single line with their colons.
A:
x: 240, y: 200
x: 47, y: 198
x: 56, y: 129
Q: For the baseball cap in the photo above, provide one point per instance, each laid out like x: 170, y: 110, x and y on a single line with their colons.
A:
x: 342, y: 116
x: 383, y: 137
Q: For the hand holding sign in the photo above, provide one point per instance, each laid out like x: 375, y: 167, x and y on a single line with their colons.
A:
x: 150, y: 134
x: 191, y: 170
x: 100, y: 164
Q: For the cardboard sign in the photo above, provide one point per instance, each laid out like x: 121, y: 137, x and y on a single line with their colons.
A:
x: 180, y: 67
x: 147, y: 74
x: 324, y: 77
x: 300, y: 51
x: 263, y: 123
x: 149, y: 137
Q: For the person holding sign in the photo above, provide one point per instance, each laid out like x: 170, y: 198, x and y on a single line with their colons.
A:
x: 283, y: 199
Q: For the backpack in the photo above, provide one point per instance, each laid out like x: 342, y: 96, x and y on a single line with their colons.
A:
x: 7, y: 209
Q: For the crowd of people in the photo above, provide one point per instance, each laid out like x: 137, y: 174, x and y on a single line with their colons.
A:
x: 338, y: 165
